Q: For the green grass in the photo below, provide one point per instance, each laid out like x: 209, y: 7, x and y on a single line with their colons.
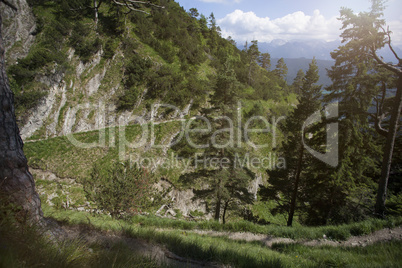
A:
x: 377, y: 255
x: 242, y: 253
x: 66, y: 160
x: 30, y: 246
x: 341, y: 232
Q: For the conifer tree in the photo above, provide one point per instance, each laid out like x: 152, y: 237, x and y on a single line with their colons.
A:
x: 281, y: 70
x: 265, y: 61
x: 298, y: 82
x: 285, y: 184
x: 227, y: 184
x: 357, y: 65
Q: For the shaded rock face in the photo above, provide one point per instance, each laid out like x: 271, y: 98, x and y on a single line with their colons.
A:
x: 18, y: 28
x: 182, y: 200
x: 16, y: 183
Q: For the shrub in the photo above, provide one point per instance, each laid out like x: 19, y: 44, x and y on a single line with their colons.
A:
x: 110, y: 48
x: 119, y: 188
x: 361, y: 228
x: 84, y: 44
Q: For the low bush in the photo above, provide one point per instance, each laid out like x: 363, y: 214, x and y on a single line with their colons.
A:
x: 121, y: 188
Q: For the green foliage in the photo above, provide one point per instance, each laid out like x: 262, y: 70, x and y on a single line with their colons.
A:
x: 285, y: 183
x: 119, y: 188
x: 46, y: 56
x: 281, y: 70
x: 27, y: 245
x: 29, y: 98
x: 226, y: 184
x: 362, y: 83
x: 241, y: 253
x: 136, y: 71
x: 110, y: 48
x: 84, y: 47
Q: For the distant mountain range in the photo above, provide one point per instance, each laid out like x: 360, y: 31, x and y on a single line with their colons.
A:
x: 299, y: 49
x: 298, y: 55
x: 294, y: 65
x: 308, y: 49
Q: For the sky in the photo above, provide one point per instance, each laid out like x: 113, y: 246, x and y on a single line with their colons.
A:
x: 266, y: 20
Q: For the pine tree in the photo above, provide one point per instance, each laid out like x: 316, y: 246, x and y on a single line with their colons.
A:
x: 298, y: 82
x: 227, y: 184
x: 265, y: 61
x: 121, y: 187
x: 253, y: 54
x: 194, y: 13
x: 356, y: 65
x: 285, y: 184
x: 281, y: 70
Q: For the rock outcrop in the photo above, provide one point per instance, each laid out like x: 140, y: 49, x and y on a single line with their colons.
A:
x: 18, y: 30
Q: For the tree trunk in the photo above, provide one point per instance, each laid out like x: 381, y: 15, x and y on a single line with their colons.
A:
x: 16, y: 183
x: 224, y: 212
x: 389, y: 147
x: 295, y: 189
x: 96, y: 7
x: 217, y: 209
x: 218, y: 202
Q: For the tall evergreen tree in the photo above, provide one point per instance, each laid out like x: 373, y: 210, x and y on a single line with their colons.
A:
x: 298, y: 82
x: 194, y: 13
x: 357, y: 62
x: 226, y: 184
x: 281, y: 69
x: 265, y: 61
x: 285, y: 184
x: 253, y: 54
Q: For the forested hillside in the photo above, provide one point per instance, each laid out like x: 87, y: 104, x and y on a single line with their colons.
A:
x: 126, y: 63
x: 142, y: 123
x: 228, y: 136
x: 127, y: 60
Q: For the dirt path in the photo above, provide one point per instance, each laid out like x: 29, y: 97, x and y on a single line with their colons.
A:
x: 378, y: 236
x: 138, y: 246
x: 164, y: 256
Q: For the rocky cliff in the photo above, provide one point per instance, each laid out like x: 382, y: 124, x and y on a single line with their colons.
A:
x: 18, y: 30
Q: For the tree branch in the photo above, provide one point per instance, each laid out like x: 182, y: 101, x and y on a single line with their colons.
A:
x: 377, y: 125
x: 9, y: 4
x: 143, y: 2
x: 388, y: 33
x: 130, y: 7
x: 380, y: 61
x: 380, y: 115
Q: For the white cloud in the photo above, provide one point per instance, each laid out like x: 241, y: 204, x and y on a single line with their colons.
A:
x: 243, y: 26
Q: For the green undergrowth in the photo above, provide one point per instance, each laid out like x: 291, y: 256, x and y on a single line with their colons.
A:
x: 238, y: 253
x: 341, y: 232
x: 30, y: 246
x: 338, y: 233
x: 383, y: 254
x: 70, y: 157
x: 74, y: 156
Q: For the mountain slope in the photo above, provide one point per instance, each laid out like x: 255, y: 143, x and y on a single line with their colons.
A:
x: 86, y: 90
